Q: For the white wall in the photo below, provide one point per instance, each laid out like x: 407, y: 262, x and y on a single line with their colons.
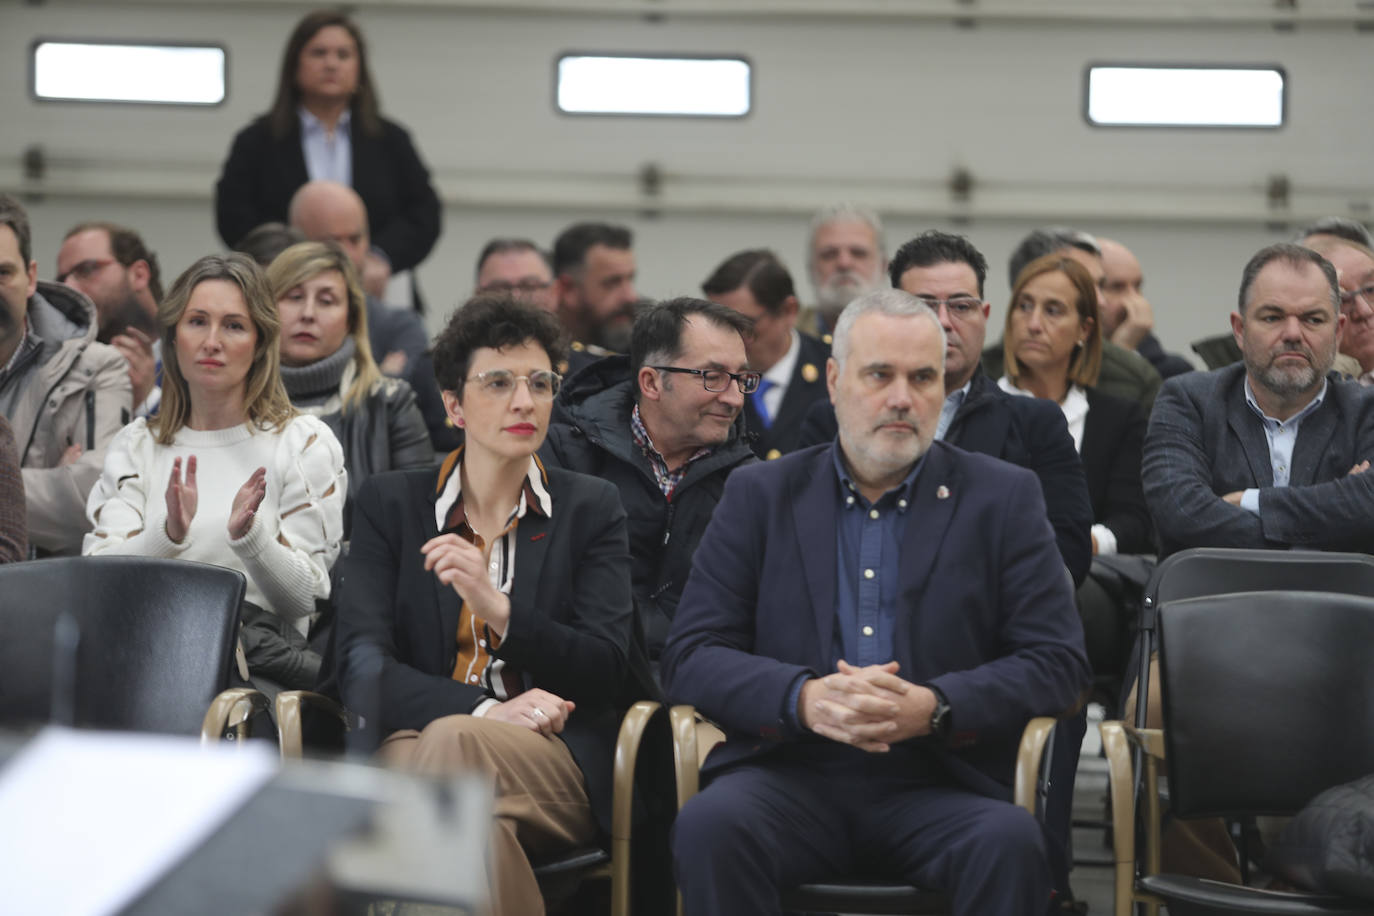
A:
x: 879, y: 110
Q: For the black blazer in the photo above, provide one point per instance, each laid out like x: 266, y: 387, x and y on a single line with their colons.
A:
x: 1113, y: 436
x: 570, y: 626
x: 806, y: 387
x: 1024, y: 431
x: 263, y: 171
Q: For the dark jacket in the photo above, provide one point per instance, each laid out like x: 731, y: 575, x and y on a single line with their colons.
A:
x: 806, y: 387
x: 263, y: 171
x: 1025, y: 432
x: 1113, y: 436
x: 590, y: 433
x: 570, y: 623
x: 1166, y: 364
x: 385, y: 433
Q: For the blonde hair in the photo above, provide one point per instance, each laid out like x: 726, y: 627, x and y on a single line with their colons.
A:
x: 1086, y: 362
x: 307, y: 260
x: 264, y: 398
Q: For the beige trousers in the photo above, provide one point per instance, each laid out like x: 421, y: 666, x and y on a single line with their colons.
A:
x: 541, y: 799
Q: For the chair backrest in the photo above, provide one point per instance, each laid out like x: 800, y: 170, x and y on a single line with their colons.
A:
x: 1269, y: 699
x: 1215, y: 571
x: 155, y: 641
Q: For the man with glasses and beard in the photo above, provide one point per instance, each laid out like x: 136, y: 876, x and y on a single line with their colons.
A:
x: 664, y: 425
x: 114, y: 268
x: 1272, y: 451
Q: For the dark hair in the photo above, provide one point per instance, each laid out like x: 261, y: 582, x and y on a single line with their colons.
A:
x: 13, y: 214
x: 1086, y: 362
x: 657, y: 335
x: 571, y: 247
x: 365, y: 106
x: 936, y: 247
x: 491, y: 320
x: 1048, y: 240
x: 504, y: 245
x: 264, y: 243
x: 757, y: 269
x: 1295, y: 255
x: 1348, y: 229
x: 127, y: 247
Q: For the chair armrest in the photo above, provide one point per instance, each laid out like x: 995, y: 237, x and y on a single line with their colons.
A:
x: 693, y: 738
x: 290, y: 728
x: 1028, y: 757
x: 1149, y: 740
x: 632, y: 729
x: 1121, y: 785
x: 231, y: 709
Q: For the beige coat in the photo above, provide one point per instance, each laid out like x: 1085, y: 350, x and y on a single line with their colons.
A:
x: 79, y: 394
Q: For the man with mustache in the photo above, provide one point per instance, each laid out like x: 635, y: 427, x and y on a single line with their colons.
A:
x: 664, y: 425
x: 1269, y: 452
x: 871, y: 622
x: 847, y: 258
x: 594, y: 279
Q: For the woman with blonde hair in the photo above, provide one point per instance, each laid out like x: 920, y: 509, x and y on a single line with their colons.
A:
x: 228, y: 472
x: 328, y: 369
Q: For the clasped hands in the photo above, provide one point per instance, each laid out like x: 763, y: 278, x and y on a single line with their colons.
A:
x: 871, y: 708
x: 183, y: 497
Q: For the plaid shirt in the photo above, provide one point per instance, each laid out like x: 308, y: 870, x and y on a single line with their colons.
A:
x: 667, y: 480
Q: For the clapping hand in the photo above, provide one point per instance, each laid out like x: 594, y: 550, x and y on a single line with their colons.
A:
x: 246, y: 502
x: 182, y: 498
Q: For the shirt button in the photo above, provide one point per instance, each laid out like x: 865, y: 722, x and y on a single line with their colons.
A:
x: 869, y: 574
x: 872, y: 513
x: 482, y: 643
x: 901, y: 504
x: 868, y: 631
x: 473, y: 679
x: 493, y: 564
x: 849, y: 501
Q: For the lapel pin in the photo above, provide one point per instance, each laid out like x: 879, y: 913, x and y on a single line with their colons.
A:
x: 942, y: 492
x: 537, y: 537
x: 810, y: 373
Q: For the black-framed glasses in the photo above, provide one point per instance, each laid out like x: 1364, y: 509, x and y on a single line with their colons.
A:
x: 716, y: 380
x: 500, y: 383
x: 959, y: 306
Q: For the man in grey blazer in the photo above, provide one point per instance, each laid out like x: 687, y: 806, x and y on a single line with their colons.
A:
x: 1271, y: 452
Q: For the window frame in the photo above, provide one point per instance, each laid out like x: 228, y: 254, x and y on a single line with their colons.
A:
x: 1174, y: 65
x: 36, y: 43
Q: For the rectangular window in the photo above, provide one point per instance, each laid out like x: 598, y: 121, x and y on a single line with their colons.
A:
x: 1185, y: 96
x: 648, y: 85
x: 95, y: 71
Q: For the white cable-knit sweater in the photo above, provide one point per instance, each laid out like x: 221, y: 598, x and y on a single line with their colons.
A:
x: 295, y: 535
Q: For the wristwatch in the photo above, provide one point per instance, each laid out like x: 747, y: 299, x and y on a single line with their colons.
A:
x: 940, y: 717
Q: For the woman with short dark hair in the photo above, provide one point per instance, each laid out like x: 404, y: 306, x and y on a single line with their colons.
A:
x: 486, y: 619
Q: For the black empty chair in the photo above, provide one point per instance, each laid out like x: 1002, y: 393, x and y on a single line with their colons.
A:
x: 123, y: 643
x: 1269, y: 699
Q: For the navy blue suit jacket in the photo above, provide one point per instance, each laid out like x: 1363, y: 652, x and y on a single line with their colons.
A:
x: 990, y: 617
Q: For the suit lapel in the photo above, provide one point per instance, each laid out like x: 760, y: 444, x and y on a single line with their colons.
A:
x: 937, y: 493
x: 448, y: 606
x: 814, y: 504
x: 292, y: 154
x: 531, y: 546
x: 1314, y: 440
x: 1249, y: 430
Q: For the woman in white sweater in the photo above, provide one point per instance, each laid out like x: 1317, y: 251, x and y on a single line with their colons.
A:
x: 228, y: 472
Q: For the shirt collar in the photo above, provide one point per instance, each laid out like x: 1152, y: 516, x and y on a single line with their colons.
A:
x: 1296, y: 418
x: 781, y: 373
x: 534, y: 495
x: 313, y: 125
x: 903, y: 493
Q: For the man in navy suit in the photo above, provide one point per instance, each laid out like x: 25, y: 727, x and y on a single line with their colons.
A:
x: 872, y: 622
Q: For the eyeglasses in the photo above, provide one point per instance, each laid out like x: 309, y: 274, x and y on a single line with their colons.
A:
x: 717, y: 380
x: 1364, y: 292
x: 86, y: 269
x: 500, y: 383
x: 523, y: 286
x: 959, y: 306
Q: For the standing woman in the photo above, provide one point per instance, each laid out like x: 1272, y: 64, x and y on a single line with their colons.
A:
x: 228, y: 472
x: 328, y: 370
x: 325, y: 123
